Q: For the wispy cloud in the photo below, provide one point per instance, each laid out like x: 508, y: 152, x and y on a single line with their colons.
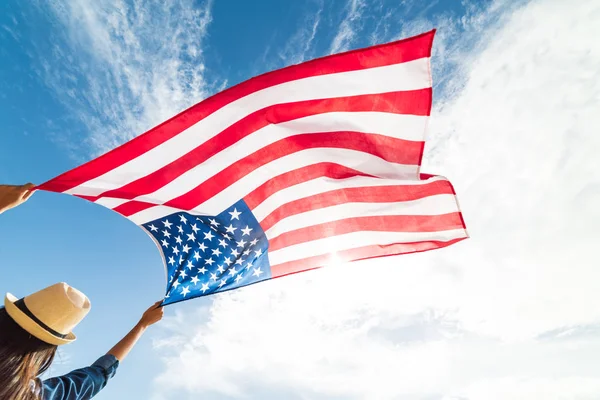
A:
x: 480, y: 320
x: 14, y: 34
x: 458, y: 35
x: 122, y: 67
x: 346, y: 31
x: 299, y: 47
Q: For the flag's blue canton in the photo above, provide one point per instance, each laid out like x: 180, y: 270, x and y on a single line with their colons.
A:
x: 206, y: 255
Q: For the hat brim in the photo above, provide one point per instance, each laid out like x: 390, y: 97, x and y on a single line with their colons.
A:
x: 31, y: 326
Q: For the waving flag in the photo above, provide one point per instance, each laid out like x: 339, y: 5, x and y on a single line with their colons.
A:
x: 289, y: 171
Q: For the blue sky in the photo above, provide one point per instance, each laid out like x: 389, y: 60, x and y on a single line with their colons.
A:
x: 511, y: 313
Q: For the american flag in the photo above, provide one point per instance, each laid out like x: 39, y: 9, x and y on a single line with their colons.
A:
x: 313, y: 164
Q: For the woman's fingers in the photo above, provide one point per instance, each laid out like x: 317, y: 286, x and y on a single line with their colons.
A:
x: 27, y: 191
x: 14, y: 195
x: 156, y: 305
x: 153, y: 314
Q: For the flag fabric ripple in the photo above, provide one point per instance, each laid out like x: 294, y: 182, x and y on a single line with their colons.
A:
x: 296, y: 169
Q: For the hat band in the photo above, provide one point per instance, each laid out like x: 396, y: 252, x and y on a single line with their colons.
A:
x: 20, y: 304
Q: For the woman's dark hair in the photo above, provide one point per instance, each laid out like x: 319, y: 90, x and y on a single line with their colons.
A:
x: 22, y: 359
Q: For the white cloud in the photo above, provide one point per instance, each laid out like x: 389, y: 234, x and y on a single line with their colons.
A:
x: 458, y: 35
x: 518, y: 143
x: 14, y: 34
x: 124, y: 67
x: 299, y: 47
x: 347, y: 29
x: 511, y: 313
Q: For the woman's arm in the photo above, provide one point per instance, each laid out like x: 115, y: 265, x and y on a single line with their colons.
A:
x: 11, y: 195
x: 85, y: 383
x: 151, y: 316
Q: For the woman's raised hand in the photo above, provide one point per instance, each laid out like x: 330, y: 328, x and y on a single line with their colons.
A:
x: 14, y: 195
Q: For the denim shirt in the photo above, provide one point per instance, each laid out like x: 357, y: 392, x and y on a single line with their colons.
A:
x: 81, y: 384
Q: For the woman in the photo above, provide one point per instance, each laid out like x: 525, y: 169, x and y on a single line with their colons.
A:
x: 32, y: 328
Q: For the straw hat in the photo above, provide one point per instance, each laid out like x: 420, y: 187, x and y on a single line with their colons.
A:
x: 50, y: 314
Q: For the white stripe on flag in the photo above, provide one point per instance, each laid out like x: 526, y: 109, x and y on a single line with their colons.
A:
x: 357, y: 239
x: 321, y: 185
x: 399, y: 126
x: 110, y: 202
x: 432, y: 205
x: 152, y: 213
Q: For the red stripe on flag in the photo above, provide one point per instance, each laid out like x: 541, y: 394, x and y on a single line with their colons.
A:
x: 297, y: 176
x: 132, y: 207
x: 386, y: 223
x: 415, y: 102
x: 88, y: 198
x: 378, y: 145
x: 371, y: 194
x: 356, y: 254
x: 385, y: 54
